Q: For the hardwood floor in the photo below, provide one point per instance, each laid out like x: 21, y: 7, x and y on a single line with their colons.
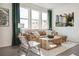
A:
x: 73, y: 50
x: 12, y: 51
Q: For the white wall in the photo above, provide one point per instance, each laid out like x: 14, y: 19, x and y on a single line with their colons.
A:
x: 6, y: 32
x: 71, y: 32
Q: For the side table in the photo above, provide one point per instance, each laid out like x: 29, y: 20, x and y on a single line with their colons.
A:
x: 57, y: 40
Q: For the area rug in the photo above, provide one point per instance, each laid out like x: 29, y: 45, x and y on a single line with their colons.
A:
x: 58, y: 50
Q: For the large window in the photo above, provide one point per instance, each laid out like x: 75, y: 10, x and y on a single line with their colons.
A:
x: 35, y: 19
x: 44, y: 21
x: 24, y: 17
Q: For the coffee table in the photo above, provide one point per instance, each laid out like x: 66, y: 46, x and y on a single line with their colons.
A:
x: 47, y: 45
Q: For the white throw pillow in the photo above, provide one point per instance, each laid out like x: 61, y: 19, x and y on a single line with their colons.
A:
x: 36, y: 33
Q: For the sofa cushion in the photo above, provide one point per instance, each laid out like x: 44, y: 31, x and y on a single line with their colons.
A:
x: 42, y: 33
x: 32, y: 37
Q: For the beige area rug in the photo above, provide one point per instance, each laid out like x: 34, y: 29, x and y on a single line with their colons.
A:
x: 58, y: 50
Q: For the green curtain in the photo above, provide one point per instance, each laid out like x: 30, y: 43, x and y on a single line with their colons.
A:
x: 50, y: 19
x: 15, y: 21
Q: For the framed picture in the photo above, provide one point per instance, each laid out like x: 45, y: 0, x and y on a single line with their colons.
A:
x: 65, y: 20
x: 4, y: 17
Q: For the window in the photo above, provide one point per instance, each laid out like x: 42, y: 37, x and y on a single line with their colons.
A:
x: 24, y: 17
x: 35, y: 19
x: 44, y: 21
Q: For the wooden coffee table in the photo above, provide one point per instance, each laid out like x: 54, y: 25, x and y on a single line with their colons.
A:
x: 45, y: 42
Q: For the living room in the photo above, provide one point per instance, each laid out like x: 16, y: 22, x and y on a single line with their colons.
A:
x: 45, y: 17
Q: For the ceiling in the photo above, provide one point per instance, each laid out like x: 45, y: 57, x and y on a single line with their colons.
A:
x: 54, y: 5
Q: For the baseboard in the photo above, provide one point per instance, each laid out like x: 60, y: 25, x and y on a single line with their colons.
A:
x: 5, y: 45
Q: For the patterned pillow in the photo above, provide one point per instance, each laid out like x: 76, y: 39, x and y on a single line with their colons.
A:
x: 32, y: 37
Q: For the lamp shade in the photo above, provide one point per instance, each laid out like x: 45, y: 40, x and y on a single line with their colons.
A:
x: 20, y: 25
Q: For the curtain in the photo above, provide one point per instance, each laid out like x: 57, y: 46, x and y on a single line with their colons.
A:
x: 15, y: 21
x: 50, y: 19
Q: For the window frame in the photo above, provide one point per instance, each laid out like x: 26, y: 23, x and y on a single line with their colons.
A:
x: 46, y: 21
x: 35, y: 19
x: 25, y: 18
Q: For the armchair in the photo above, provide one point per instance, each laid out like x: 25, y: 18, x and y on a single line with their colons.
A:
x: 27, y: 46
